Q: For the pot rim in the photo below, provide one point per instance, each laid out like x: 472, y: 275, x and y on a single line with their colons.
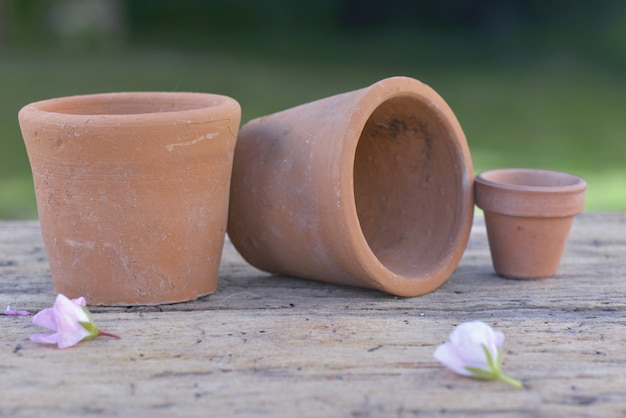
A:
x: 128, y: 107
x: 429, y: 279
x: 564, y: 182
x: 496, y: 192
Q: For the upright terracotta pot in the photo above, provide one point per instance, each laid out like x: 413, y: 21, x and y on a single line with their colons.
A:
x: 132, y: 192
x: 528, y: 214
x: 369, y: 188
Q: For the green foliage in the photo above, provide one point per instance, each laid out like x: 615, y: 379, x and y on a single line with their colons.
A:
x: 529, y: 86
x: 554, y: 114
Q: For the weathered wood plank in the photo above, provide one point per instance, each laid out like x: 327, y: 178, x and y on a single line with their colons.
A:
x: 272, y: 346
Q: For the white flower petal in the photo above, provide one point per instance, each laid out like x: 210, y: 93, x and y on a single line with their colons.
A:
x: 449, y: 357
x: 466, y: 347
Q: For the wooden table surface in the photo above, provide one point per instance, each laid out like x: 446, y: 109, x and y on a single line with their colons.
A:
x: 265, y: 345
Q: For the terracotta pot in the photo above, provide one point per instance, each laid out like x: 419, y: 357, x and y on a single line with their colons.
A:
x: 369, y: 188
x: 132, y: 192
x: 528, y: 214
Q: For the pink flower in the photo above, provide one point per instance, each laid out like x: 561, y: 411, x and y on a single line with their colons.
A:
x: 475, y: 350
x: 10, y: 312
x: 70, y: 319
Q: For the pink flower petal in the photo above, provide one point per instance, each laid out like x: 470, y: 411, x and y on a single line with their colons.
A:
x: 68, y: 316
x: 45, y: 318
x: 69, y: 310
x: 11, y: 312
x: 44, y: 338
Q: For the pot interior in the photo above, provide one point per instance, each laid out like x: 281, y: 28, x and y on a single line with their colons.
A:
x: 409, y: 185
x: 530, y: 178
x: 129, y: 103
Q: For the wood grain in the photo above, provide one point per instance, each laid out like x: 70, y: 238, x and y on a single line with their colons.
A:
x: 265, y: 345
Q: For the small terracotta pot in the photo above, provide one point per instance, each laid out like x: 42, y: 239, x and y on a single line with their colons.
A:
x: 132, y: 192
x: 369, y: 188
x: 528, y: 214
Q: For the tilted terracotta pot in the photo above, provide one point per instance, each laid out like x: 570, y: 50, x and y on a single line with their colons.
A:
x: 528, y: 214
x: 132, y: 192
x: 369, y: 188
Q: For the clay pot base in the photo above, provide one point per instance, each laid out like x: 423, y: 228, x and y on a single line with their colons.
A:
x: 535, y: 258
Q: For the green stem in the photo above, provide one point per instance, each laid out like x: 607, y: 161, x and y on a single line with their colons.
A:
x: 513, y: 382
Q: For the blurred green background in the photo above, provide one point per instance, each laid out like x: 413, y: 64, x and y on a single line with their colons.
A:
x: 534, y: 83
